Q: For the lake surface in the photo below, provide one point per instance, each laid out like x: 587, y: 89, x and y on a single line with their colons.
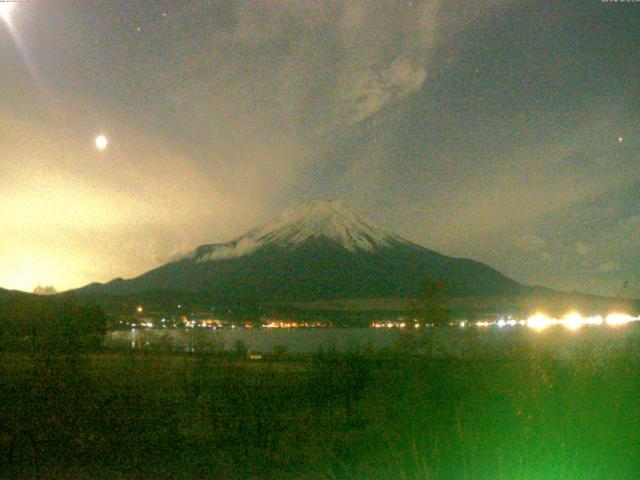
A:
x: 436, y: 341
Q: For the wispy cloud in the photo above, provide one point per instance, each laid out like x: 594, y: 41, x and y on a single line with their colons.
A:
x: 374, y: 89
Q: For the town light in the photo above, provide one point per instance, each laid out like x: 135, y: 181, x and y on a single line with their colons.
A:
x: 539, y: 321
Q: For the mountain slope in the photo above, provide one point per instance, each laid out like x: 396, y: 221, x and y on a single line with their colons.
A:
x: 9, y: 297
x: 318, y: 250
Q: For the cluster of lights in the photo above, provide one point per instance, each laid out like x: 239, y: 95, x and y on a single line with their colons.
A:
x: 290, y: 324
x: 538, y: 322
x: 571, y: 321
x: 396, y: 324
x: 214, y: 324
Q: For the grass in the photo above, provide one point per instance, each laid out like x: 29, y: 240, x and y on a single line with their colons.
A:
x: 527, y: 413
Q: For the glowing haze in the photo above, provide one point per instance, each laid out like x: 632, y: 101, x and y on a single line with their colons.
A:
x: 506, y: 132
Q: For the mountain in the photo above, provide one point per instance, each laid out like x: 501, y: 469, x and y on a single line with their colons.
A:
x: 320, y: 250
x: 9, y: 297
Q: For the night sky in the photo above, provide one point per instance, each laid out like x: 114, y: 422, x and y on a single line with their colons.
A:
x: 508, y: 133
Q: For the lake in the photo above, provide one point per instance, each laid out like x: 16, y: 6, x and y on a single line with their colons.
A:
x: 438, y: 341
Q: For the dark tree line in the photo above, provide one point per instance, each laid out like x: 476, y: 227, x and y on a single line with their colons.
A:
x: 51, y: 325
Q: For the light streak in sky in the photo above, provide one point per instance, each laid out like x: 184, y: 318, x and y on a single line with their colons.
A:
x: 6, y: 9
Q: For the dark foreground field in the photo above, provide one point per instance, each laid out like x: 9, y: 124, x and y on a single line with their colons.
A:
x: 523, y: 414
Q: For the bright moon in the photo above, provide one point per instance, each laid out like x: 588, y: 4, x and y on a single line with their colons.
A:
x: 101, y: 142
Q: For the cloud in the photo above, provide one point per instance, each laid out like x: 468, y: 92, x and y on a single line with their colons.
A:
x: 375, y: 88
x: 308, y: 66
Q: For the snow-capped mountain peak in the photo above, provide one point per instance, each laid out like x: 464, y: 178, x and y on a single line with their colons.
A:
x: 330, y: 219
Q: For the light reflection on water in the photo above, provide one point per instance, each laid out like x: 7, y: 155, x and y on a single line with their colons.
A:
x: 435, y: 341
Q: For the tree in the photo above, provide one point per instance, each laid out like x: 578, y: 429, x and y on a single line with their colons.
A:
x: 44, y: 290
x: 433, y: 304
x: 51, y: 325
